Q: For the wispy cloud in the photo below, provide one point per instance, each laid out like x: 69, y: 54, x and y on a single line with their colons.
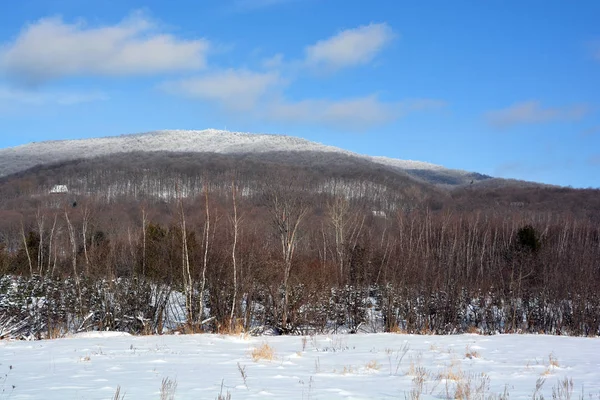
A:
x: 14, y: 96
x: 349, y: 48
x: 231, y: 89
x: 274, y: 62
x: 243, y: 93
x: 51, y: 48
x: 531, y: 112
x: 354, y: 114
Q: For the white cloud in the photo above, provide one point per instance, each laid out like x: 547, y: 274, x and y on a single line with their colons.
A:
x: 259, y: 95
x: 232, y: 89
x: 531, y: 112
x: 356, y: 113
x: 50, y: 49
x: 350, y: 47
x: 274, y: 62
x: 36, y: 98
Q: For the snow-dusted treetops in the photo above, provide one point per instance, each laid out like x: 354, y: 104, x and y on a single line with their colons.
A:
x: 19, y: 158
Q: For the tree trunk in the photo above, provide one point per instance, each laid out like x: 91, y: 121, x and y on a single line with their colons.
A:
x: 235, y: 222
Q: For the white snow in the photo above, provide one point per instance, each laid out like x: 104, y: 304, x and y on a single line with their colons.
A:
x: 18, y: 158
x: 410, y: 164
x: 323, y: 367
x: 59, y: 189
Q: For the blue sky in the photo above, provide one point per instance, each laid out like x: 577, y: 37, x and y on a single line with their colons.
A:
x: 506, y: 88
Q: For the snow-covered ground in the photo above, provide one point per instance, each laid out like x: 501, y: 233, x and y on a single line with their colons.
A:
x: 91, y: 366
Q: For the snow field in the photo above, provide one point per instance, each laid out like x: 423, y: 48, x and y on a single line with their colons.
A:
x: 373, y: 366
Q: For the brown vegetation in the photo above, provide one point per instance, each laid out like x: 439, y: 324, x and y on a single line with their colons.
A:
x: 311, y: 246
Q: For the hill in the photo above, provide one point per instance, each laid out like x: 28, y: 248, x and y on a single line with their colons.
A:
x: 20, y: 158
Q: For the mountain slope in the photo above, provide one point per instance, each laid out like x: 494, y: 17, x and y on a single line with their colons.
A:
x: 20, y: 158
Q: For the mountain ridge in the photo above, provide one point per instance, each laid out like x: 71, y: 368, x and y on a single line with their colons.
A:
x: 20, y: 158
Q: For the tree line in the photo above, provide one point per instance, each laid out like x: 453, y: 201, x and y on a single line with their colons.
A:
x: 295, y: 252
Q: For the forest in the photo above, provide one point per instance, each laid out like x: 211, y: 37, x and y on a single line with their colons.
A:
x: 158, y: 243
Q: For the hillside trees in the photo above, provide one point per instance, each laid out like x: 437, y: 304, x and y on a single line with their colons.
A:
x: 301, y: 250
x: 287, y: 205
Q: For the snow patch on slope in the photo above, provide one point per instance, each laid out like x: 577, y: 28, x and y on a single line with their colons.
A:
x: 408, y: 164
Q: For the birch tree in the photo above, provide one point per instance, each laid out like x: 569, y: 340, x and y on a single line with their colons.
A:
x: 287, y: 208
x: 235, y: 220
x: 206, y: 239
x: 185, y: 260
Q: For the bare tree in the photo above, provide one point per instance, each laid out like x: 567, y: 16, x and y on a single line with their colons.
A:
x: 41, y: 219
x: 50, y: 246
x: 73, y: 241
x: 144, y: 237
x: 84, y: 229
x: 206, y: 238
x: 287, y: 208
x: 185, y: 260
x: 26, y: 246
x: 235, y: 222
x: 338, y: 209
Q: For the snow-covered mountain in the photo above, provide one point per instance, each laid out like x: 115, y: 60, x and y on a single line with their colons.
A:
x: 20, y: 158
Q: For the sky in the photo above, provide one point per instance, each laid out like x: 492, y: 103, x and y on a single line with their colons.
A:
x: 505, y: 88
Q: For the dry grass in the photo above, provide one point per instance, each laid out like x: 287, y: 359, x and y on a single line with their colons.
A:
x: 188, y: 329
x: 147, y: 330
x: 221, y: 396
x: 539, y: 384
x: 242, y: 370
x: 118, y: 395
x: 348, y: 369
x: 473, y: 330
x: 547, y: 371
x: 56, y: 331
x: 470, y: 353
x: 472, y: 386
x: 236, y: 328
x: 453, y: 372
x: 6, y: 390
x: 396, y: 329
x: 373, y: 365
x: 168, y: 388
x: 552, y: 365
x: 398, y: 356
x: 565, y: 390
x: 418, y: 383
x: 415, y: 364
x: 263, y: 352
